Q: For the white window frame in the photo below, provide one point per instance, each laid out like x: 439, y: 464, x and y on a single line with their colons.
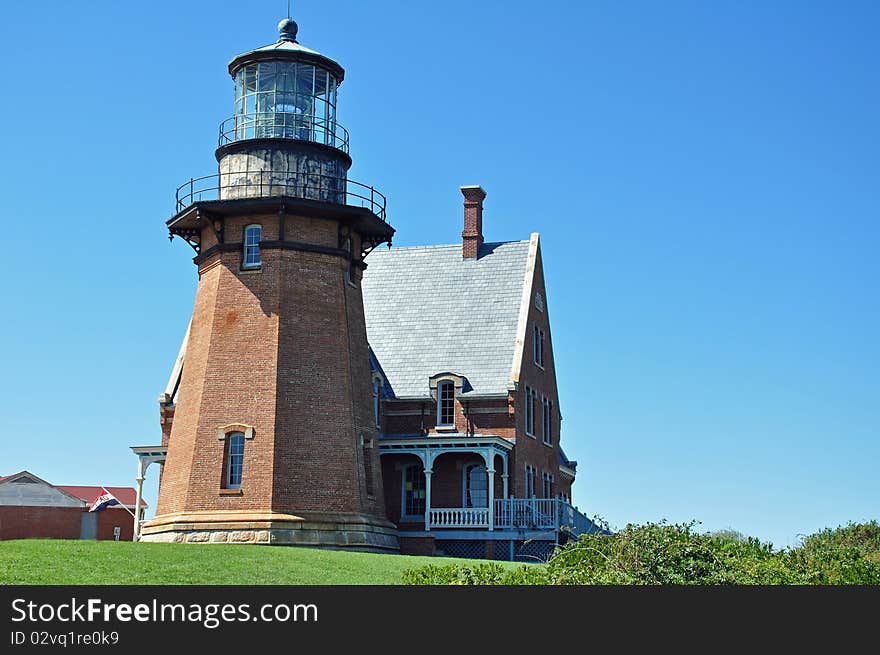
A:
x: 403, y: 513
x: 531, y: 474
x: 231, y: 438
x: 441, y: 385
x: 538, y: 346
x: 248, y: 244
x: 546, y: 485
x: 531, y: 402
x: 546, y: 420
x: 531, y: 396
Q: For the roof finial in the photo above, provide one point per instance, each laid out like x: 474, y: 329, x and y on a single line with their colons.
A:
x: 287, y: 30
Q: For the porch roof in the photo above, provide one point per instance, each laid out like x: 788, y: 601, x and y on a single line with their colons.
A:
x: 429, y: 447
x: 451, y: 441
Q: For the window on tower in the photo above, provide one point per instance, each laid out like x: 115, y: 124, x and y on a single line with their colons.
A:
x: 253, y: 234
x: 234, y: 460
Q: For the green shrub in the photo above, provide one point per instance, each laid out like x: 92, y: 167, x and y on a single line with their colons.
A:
x: 864, y: 537
x: 662, y: 554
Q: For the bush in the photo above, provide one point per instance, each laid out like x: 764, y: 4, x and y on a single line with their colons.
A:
x: 864, y: 537
x: 662, y: 554
x: 481, y: 574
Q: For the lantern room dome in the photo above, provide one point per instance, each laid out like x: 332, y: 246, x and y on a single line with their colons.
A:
x: 286, y: 48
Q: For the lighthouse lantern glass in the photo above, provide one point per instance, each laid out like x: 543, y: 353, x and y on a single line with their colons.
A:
x: 285, y: 100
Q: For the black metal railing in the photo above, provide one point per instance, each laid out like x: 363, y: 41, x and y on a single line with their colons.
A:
x: 284, y: 125
x: 264, y: 184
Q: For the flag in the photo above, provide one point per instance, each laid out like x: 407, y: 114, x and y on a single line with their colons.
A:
x: 103, y: 501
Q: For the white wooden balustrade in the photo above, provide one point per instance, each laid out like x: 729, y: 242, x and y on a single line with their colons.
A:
x: 512, y: 514
x: 459, y: 517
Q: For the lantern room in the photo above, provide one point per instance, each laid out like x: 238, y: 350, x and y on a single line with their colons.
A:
x: 282, y: 142
x: 285, y: 91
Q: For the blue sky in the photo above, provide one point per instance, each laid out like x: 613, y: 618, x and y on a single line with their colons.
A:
x: 704, y: 176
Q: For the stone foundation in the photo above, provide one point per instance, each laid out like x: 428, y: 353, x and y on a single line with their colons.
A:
x: 324, y: 530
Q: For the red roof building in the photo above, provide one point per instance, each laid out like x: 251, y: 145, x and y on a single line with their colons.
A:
x: 31, y: 508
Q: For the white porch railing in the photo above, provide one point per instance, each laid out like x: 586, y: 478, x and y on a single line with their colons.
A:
x: 459, y: 517
x: 515, y: 513
x: 532, y: 513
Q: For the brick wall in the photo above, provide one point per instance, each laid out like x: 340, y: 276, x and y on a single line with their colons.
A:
x: 531, y: 450
x: 471, y: 416
x: 565, y: 486
x: 282, y: 349
x: 39, y: 522
x: 416, y: 545
x: 17, y: 522
x: 111, y: 518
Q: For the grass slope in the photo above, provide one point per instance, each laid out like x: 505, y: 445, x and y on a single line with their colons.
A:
x: 57, y: 561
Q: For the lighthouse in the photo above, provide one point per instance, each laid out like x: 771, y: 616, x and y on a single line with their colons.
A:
x: 270, y: 430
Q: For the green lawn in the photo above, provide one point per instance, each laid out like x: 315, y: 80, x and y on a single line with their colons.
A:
x: 51, y: 561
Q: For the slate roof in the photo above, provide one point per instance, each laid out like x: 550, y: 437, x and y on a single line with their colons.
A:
x: 430, y: 311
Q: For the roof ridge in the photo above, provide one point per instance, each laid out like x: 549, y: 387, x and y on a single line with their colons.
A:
x: 452, y: 245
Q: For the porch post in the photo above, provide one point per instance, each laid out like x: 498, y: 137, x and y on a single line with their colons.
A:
x: 504, y: 475
x: 428, y: 473
x: 491, y: 473
x: 137, y: 501
x: 489, y: 458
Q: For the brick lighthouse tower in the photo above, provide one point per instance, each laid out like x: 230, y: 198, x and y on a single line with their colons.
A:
x: 273, y: 434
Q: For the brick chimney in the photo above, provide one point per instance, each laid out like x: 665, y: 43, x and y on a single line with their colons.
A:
x: 472, y: 236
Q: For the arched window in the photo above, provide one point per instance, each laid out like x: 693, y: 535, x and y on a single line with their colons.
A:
x: 446, y: 403
x: 413, y: 498
x: 476, y: 486
x: 377, y: 389
x: 234, y: 460
x: 253, y: 234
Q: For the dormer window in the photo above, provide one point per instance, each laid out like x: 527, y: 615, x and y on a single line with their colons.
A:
x: 253, y: 234
x: 446, y: 403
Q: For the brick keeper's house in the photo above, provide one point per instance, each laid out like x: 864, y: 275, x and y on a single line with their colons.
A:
x: 331, y: 393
